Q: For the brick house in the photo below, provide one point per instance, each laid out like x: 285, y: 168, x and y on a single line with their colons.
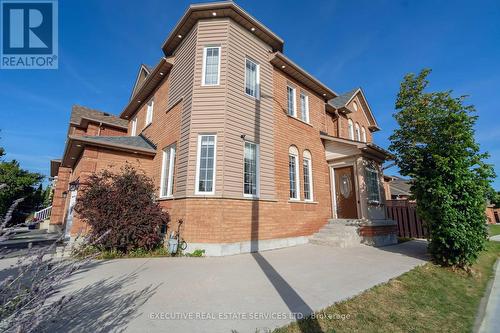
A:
x: 245, y: 146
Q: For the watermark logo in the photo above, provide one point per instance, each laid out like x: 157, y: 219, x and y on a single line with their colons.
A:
x: 29, y: 34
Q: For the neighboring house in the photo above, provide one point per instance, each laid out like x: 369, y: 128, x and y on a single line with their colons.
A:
x: 396, y: 188
x: 245, y: 146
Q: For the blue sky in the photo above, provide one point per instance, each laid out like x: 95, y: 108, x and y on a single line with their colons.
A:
x: 345, y: 44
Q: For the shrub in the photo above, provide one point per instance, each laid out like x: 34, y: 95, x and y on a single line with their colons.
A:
x: 122, y: 203
x: 435, y: 146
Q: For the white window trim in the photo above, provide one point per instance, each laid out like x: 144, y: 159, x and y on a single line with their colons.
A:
x: 133, y: 129
x: 294, y: 93
x: 257, y: 170
x: 306, y: 99
x: 363, y: 134
x: 257, y: 89
x: 297, y: 178
x: 205, y: 64
x: 170, y: 186
x: 310, y: 180
x: 149, y: 115
x: 198, y: 160
x: 357, y: 132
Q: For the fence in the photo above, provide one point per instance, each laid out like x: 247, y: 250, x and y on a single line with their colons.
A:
x: 43, y: 214
x: 404, y: 213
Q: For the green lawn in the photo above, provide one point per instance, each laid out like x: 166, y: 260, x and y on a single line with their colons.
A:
x: 429, y: 298
x: 494, y: 229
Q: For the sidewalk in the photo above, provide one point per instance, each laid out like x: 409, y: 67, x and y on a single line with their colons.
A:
x: 491, y: 320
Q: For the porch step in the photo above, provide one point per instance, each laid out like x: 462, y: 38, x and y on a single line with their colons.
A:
x: 343, y: 233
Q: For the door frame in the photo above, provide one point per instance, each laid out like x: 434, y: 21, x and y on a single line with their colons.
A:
x: 333, y: 191
x: 69, y: 214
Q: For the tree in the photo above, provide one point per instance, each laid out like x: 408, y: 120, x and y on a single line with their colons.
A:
x: 19, y: 183
x: 121, y: 205
x: 435, y: 146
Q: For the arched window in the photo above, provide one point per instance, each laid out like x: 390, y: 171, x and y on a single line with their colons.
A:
x: 293, y: 172
x: 351, y: 129
x: 363, y: 134
x: 355, y: 106
x: 308, y: 179
x: 358, y: 133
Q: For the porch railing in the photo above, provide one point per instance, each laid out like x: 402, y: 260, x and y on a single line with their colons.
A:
x: 43, y: 214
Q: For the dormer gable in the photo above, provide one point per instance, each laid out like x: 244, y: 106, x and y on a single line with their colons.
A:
x: 142, y: 74
x: 355, y: 101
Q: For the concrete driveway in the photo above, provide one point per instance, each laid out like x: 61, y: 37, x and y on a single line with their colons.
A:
x: 243, y: 293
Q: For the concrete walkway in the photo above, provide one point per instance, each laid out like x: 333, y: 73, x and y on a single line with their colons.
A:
x: 243, y: 293
x: 491, y: 320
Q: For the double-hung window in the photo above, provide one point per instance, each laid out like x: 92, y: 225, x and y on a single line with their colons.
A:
x: 304, y: 107
x: 167, y: 172
x: 372, y: 185
x: 363, y: 134
x: 205, y: 173
x: 211, y: 66
x: 252, y: 78
x: 149, y: 113
x: 358, y: 134
x: 308, y: 187
x: 251, y: 169
x: 293, y: 173
x: 133, y: 127
x: 350, y: 127
x: 292, y: 108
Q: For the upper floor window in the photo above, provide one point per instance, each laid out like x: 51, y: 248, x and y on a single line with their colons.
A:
x: 252, y: 78
x: 304, y: 107
x: 350, y: 128
x: 293, y: 173
x: 250, y: 172
x: 167, y: 172
x: 308, y: 183
x: 358, y: 133
x: 211, y: 66
x: 363, y: 134
x: 149, y: 113
x: 292, y: 108
x: 355, y: 106
x: 133, y: 127
x: 205, y: 168
x: 371, y: 180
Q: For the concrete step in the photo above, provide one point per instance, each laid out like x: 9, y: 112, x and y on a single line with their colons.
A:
x: 333, y: 243
x: 354, y: 222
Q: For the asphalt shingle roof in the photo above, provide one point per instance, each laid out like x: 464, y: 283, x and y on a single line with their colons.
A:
x: 128, y: 141
x: 79, y: 112
x: 341, y: 101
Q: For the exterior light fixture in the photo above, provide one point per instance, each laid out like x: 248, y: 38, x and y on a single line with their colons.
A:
x: 283, y: 66
x: 78, y: 145
x: 73, y: 158
x: 161, y: 73
x: 253, y: 29
x: 138, y: 101
x: 180, y: 36
x: 214, y: 14
x: 64, y: 194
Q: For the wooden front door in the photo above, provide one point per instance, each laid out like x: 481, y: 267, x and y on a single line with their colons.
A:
x: 345, y: 193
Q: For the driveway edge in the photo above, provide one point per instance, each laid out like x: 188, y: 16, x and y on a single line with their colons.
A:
x: 481, y: 311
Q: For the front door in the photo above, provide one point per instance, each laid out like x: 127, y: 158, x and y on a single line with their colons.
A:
x: 345, y: 193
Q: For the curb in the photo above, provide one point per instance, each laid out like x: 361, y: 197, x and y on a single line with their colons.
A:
x: 481, y: 311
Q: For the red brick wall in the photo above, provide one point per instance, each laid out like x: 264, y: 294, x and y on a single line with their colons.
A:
x: 58, y: 201
x: 96, y: 159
